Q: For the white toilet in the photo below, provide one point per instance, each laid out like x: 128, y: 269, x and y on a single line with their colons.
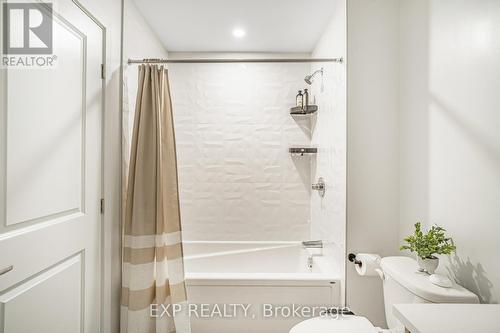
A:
x: 402, y: 284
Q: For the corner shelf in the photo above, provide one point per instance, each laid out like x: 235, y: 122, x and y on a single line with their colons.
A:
x: 301, y: 151
x: 299, y: 111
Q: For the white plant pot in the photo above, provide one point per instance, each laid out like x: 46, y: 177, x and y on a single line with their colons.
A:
x: 428, y: 265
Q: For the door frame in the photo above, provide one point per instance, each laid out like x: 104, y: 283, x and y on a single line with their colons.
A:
x: 103, y: 217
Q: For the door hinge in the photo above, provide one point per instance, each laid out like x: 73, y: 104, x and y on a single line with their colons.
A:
x: 102, y: 206
x: 103, y: 71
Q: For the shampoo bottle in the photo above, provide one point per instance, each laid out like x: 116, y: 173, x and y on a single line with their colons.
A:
x: 300, y: 100
x: 305, y: 99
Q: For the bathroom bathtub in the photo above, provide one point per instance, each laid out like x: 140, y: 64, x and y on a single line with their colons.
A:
x: 256, y: 274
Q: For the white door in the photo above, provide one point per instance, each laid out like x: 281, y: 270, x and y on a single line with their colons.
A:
x: 50, y: 184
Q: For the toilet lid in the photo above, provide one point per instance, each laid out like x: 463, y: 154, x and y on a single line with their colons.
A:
x: 330, y: 324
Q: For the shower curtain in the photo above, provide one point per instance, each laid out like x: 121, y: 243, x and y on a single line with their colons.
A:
x: 152, y: 260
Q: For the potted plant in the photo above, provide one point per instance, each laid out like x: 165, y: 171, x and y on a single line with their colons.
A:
x: 427, y: 245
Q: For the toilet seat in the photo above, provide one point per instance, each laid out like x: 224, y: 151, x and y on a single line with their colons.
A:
x: 331, y: 324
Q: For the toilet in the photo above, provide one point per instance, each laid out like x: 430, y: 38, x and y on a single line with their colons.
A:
x: 402, y: 284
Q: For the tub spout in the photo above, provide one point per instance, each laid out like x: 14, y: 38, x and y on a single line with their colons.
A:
x: 318, y: 244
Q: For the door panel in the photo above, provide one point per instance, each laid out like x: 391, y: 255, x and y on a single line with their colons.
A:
x: 52, y: 138
x: 35, y: 298
x: 50, y: 183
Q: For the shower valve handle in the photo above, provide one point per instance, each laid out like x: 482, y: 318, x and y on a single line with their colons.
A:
x: 320, y: 186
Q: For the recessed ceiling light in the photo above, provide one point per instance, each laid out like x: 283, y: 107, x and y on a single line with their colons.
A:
x: 239, y: 33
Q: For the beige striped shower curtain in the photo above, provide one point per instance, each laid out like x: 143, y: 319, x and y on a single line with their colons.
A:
x: 152, y: 260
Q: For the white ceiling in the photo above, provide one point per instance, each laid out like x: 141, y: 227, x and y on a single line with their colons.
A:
x: 207, y: 25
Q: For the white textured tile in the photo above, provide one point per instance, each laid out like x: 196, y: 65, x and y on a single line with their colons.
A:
x: 233, y: 131
x: 328, y: 218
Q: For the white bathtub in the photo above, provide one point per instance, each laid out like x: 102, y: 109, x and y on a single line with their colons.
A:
x: 257, y: 275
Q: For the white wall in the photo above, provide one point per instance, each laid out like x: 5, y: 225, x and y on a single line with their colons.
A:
x: 423, y: 139
x: 372, y: 144
x: 233, y: 129
x: 450, y: 138
x: 328, y: 214
x: 139, y: 42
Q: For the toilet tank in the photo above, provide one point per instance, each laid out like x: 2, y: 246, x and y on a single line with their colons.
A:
x: 403, y: 284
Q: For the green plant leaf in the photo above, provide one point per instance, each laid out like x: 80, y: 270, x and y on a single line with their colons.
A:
x: 426, y: 245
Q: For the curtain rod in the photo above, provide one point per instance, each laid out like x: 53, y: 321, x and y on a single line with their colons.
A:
x: 230, y: 60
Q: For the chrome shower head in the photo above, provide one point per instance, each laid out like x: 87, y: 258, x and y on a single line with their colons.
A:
x: 310, y: 78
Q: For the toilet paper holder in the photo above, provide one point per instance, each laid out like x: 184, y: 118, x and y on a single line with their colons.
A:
x: 352, y: 258
x: 359, y: 263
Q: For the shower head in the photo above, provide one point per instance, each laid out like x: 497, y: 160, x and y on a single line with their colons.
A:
x: 310, y: 78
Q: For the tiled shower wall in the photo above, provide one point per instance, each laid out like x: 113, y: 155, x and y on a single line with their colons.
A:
x: 233, y: 128
x: 328, y: 214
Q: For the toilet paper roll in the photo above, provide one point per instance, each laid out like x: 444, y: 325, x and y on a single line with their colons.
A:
x: 369, y: 264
